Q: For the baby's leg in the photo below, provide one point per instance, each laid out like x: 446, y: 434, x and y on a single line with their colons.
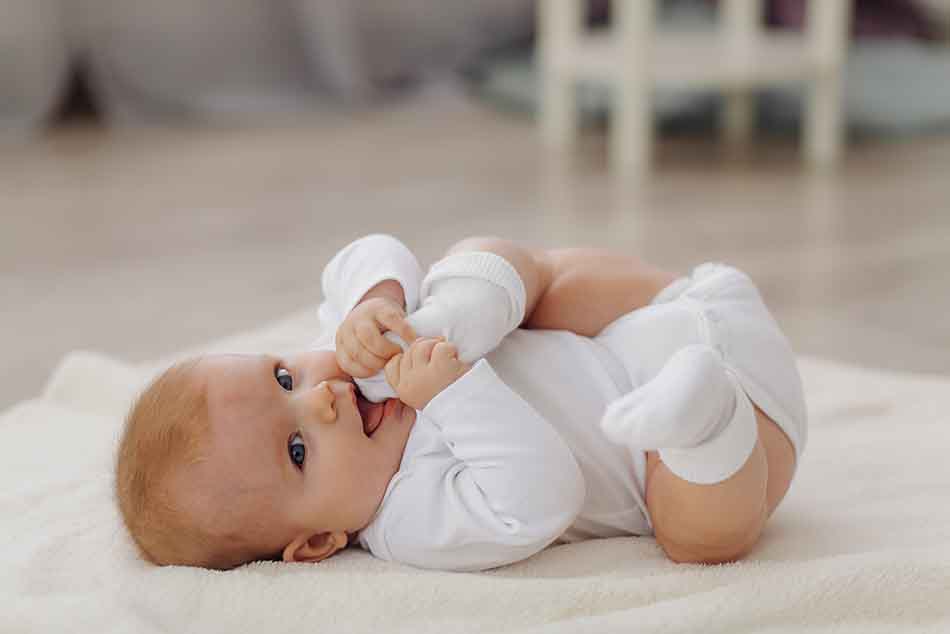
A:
x: 485, y: 287
x: 580, y: 289
x: 720, y: 522
x: 722, y: 464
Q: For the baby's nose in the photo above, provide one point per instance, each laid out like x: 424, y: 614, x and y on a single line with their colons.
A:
x: 323, y: 398
x: 322, y: 401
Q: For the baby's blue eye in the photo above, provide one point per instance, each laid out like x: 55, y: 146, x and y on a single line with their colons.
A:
x: 283, y: 377
x: 297, y: 450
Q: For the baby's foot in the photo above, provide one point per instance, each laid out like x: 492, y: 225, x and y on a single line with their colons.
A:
x: 680, y: 407
x: 694, y: 413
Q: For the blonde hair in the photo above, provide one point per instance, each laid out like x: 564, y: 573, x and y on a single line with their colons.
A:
x: 166, y: 430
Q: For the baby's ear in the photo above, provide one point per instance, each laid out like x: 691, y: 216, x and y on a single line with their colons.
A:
x: 314, y: 548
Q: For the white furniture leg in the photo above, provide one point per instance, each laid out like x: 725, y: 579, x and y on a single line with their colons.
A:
x: 738, y: 117
x: 559, y: 22
x: 828, y: 28
x: 740, y: 21
x: 742, y: 58
x: 631, y: 126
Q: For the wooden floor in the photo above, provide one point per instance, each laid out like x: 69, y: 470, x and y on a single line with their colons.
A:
x: 140, y: 243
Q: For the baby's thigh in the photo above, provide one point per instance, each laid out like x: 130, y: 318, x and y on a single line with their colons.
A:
x: 781, y: 458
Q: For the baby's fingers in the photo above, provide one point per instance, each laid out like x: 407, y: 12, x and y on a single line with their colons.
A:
x: 393, y: 370
x: 362, y: 356
x: 422, y: 351
x: 445, y: 357
x: 347, y: 363
x: 445, y: 351
x: 394, y: 320
x: 373, y: 340
x: 353, y: 367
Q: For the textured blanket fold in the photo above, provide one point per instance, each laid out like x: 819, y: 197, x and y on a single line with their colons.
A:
x: 862, y: 543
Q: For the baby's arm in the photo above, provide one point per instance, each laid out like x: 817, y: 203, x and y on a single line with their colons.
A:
x: 505, y: 486
x: 483, y: 289
x: 368, y: 287
x: 360, y: 268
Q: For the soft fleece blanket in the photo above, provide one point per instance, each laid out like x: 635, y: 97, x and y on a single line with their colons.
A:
x: 862, y: 542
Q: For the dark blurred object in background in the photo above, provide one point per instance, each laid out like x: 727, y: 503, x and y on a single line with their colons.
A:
x: 235, y: 60
x: 872, y: 18
x: 78, y: 104
x: 246, y: 60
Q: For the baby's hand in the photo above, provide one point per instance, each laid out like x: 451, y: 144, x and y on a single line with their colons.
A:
x: 425, y: 369
x: 361, y: 348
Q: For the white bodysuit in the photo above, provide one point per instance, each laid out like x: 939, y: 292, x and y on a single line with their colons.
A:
x: 511, y: 458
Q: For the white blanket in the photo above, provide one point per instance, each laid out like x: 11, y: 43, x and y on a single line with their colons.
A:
x: 862, y: 542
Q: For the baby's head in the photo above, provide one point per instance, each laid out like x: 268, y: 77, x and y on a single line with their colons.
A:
x: 228, y: 459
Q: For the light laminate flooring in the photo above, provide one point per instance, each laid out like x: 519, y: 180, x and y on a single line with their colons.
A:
x: 139, y: 243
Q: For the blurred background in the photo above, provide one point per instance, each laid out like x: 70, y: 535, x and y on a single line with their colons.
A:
x: 173, y: 172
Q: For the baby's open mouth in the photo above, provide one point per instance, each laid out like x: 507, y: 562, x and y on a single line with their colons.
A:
x: 371, y: 413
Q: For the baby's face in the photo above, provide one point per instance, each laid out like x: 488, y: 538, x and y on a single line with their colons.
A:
x: 294, y: 448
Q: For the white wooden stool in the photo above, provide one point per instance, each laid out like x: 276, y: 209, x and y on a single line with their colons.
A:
x: 737, y: 58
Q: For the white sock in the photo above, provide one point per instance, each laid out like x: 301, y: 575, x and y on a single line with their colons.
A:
x: 473, y: 300
x: 693, y: 412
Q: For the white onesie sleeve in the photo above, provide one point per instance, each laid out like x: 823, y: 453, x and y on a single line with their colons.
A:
x: 351, y: 273
x: 360, y: 266
x: 507, y: 487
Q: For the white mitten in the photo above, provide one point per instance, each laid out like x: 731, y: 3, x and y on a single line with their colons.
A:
x: 473, y: 300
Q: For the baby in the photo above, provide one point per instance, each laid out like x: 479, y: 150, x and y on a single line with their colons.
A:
x: 509, y: 399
